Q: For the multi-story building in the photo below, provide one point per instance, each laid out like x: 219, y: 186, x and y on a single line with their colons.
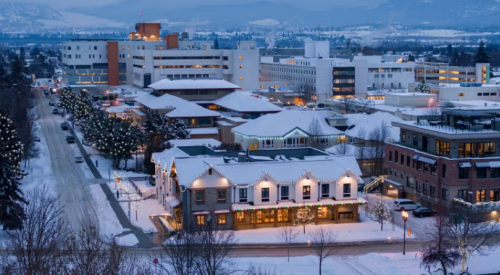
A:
x: 266, y: 188
x: 455, y: 158
x: 322, y: 77
x: 145, y: 58
x: 464, y: 91
x: 443, y: 73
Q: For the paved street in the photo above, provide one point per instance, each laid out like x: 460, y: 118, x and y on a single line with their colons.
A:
x: 71, y: 183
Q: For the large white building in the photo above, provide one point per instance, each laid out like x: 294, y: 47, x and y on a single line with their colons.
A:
x: 145, y: 59
x: 322, y: 77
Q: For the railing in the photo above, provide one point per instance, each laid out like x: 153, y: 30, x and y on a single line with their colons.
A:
x: 477, y: 206
x: 374, y: 184
x: 137, y: 190
x: 149, y: 194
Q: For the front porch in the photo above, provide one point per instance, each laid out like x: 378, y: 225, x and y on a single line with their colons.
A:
x: 246, y: 216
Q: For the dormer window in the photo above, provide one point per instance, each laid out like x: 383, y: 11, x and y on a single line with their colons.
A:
x: 210, y: 171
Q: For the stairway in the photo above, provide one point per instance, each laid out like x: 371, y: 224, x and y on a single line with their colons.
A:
x: 374, y: 184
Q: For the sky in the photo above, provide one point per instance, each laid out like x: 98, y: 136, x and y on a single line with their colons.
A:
x: 311, y: 4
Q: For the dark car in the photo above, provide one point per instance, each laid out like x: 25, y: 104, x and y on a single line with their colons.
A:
x: 64, y: 126
x: 55, y: 111
x: 45, y: 92
x: 52, y: 103
x: 37, y: 139
x: 70, y: 139
x: 423, y: 212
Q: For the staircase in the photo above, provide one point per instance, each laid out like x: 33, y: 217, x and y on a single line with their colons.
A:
x: 374, y: 184
x: 149, y: 194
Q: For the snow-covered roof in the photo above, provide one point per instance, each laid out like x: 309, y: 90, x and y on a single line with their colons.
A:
x: 190, y: 169
x: 246, y: 103
x: 282, y: 123
x: 368, y: 123
x: 166, y: 157
x: 195, y: 142
x: 284, y: 172
x: 203, y: 131
x: 120, y: 108
x: 181, y: 107
x: 350, y: 149
x: 191, y: 84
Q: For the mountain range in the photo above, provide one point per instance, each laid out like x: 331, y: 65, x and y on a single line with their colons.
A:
x: 435, y: 13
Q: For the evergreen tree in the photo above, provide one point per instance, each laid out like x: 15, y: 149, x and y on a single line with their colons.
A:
x: 11, y: 196
x: 216, y: 44
x: 411, y: 58
x: 177, y: 130
x: 68, y: 99
x: 481, y: 55
x: 422, y: 88
x: 83, y: 106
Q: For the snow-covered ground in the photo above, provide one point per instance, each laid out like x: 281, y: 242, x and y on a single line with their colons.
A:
x: 366, y: 230
x: 369, y: 264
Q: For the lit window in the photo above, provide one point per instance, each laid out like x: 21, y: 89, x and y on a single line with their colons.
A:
x: 241, y: 57
x: 222, y: 219
x: 241, y: 78
x: 241, y: 66
x: 123, y: 48
x: 200, y: 220
x: 240, y: 216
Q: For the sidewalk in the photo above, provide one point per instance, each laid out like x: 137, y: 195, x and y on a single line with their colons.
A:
x: 144, y: 240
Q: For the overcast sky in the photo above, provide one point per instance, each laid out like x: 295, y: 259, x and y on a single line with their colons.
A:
x: 312, y: 4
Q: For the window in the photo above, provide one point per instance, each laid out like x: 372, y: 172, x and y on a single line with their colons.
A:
x: 402, y: 159
x: 200, y: 196
x: 462, y: 194
x: 433, y: 169
x: 200, y: 220
x: 410, y: 182
x: 221, y: 195
x: 347, y: 190
x: 123, y: 48
x: 494, y: 195
x: 210, y: 171
x: 267, y: 143
x: 283, y: 215
x: 284, y: 192
x: 479, y: 149
x: 95, y: 48
x: 481, y: 195
x: 419, y: 186
x: 444, y: 194
x: 322, y: 212
x: 295, y: 142
x: 240, y: 78
x: 415, y: 140
x: 69, y: 48
x: 390, y: 155
x: 396, y: 156
x: 306, y: 192
x: 426, y: 188
x: 265, y: 194
x: 408, y: 161
x: 403, y: 136
x: 240, y: 57
x: 222, y: 219
x: 325, y: 190
x: 461, y: 94
x: 463, y: 173
x: 495, y: 173
x: 433, y: 191
x: 243, y: 195
x: 481, y: 172
x: 240, y: 216
x: 241, y: 66
x: 442, y: 148
x: 444, y: 171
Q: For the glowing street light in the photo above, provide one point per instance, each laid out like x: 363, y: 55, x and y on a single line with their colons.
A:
x: 405, y: 218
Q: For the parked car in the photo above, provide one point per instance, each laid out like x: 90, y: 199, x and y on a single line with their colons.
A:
x: 37, y: 139
x: 70, y: 139
x: 64, y: 126
x: 52, y: 103
x: 405, y: 204
x: 423, y: 212
x: 78, y: 159
x: 45, y: 92
x: 55, y: 111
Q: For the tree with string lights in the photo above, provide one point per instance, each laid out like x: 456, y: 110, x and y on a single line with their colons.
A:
x: 382, y: 213
x: 11, y: 197
x: 83, y: 106
x: 68, y: 100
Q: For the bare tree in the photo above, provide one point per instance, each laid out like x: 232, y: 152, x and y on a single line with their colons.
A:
x: 315, y: 131
x: 364, y: 105
x: 440, y: 250
x: 323, y: 244
x: 213, y: 250
x: 343, y: 149
x: 382, y: 213
x: 36, y: 248
x: 260, y: 269
x: 181, y: 254
x: 472, y: 235
x: 377, y: 138
x: 288, y: 234
x: 348, y: 104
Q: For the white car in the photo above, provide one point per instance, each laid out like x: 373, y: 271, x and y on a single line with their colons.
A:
x: 405, y: 204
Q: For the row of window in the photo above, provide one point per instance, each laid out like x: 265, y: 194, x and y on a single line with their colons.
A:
x: 190, y: 67
x: 482, y: 195
x: 385, y: 70
x: 200, y: 196
x: 78, y: 48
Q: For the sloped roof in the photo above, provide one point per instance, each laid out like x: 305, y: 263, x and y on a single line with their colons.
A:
x: 190, y: 169
x: 195, y: 142
x: 282, y: 123
x: 370, y: 122
x: 192, y: 84
x: 246, y: 103
x: 182, y: 107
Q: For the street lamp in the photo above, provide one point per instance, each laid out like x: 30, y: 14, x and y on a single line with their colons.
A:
x: 405, y: 218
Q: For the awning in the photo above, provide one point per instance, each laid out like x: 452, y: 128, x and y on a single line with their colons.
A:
x: 495, y: 164
x: 485, y: 164
x: 416, y: 156
x: 201, y: 213
x: 173, y: 201
x: 222, y: 211
x: 426, y: 160
x: 391, y: 182
x: 465, y: 165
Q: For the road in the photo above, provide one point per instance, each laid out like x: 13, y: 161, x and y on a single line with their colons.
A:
x: 71, y: 184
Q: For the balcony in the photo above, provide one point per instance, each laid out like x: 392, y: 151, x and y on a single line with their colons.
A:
x: 477, y: 206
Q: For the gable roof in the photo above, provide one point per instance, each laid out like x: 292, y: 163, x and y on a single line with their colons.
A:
x: 283, y: 123
x: 190, y: 169
x: 181, y: 107
x: 370, y: 122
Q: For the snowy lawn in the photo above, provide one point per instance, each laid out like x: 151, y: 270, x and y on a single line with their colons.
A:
x: 366, y: 230
x: 127, y: 240
x: 147, y: 208
x: 373, y: 263
x: 109, y: 225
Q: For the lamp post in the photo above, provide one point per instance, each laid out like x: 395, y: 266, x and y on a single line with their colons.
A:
x: 405, y: 218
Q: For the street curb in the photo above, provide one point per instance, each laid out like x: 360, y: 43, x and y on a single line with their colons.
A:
x: 342, y: 244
